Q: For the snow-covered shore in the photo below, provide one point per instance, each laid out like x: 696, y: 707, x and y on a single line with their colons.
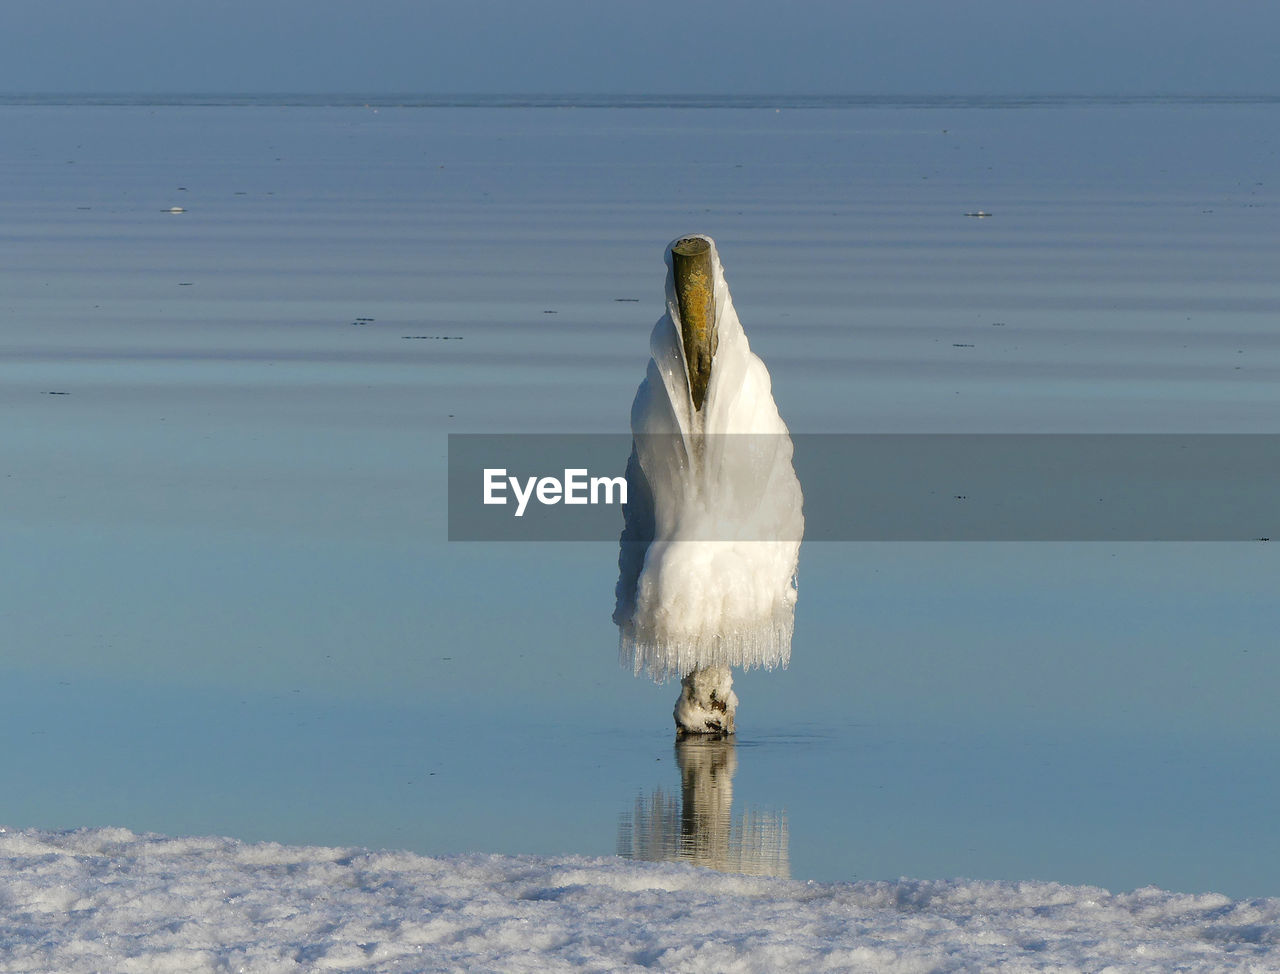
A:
x: 111, y: 900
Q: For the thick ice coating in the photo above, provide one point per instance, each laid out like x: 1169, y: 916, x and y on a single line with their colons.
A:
x: 712, y: 537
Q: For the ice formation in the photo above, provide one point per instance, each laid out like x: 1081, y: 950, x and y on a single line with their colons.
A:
x: 707, y: 702
x: 712, y: 537
x: 111, y: 900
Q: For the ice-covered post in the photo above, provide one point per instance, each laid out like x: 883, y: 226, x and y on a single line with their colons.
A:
x: 708, y: 553
x: 707, y: 702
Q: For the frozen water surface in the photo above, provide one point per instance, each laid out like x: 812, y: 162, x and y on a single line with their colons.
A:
x: 229, y: 608
x: 108, y: 898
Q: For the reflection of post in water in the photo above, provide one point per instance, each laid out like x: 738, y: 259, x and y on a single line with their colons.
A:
x: 706, y: 799
x: 700, y: 828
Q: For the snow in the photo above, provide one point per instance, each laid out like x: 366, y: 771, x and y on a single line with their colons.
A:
x: 707, y: 701
x: 109, y: 899
x: 720, y: 540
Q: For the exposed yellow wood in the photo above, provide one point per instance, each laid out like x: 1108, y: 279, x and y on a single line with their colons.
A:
x: 695, y: 293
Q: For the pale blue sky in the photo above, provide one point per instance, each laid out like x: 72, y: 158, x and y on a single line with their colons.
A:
x: 659, y: 46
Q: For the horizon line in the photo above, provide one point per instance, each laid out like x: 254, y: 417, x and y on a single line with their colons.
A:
x: 400, y: 99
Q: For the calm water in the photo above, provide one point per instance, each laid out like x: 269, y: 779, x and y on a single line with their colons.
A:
x: 228, y: 605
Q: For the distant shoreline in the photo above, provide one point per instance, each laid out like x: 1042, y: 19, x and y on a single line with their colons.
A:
x: 570, y: 100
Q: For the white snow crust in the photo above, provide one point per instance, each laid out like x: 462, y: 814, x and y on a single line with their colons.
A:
x: 707, y: 701
x: 111, y: 900
x: 717, y: 586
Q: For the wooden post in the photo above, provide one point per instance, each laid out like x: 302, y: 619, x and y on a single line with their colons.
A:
x: 707, y: 702
x: 695, y: 293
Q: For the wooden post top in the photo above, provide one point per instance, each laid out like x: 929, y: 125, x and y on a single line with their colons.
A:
x: 695, y: 294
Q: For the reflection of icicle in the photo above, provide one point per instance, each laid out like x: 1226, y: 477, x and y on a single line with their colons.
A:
x: 651, y: 833
x: 701, y: 828
x: 763, y: 844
